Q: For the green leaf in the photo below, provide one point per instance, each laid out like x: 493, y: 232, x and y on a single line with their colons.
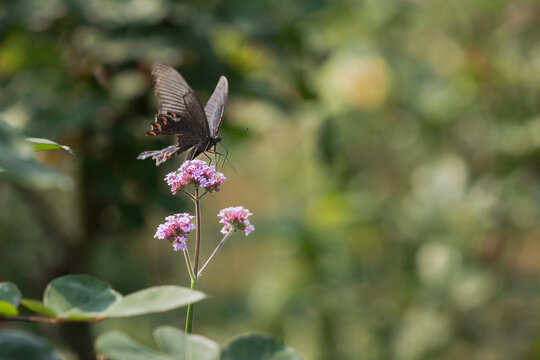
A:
x: 17, y: 164
x: 9, y: 292
x: 174, y: 342
x: 7, y: 308
x: 257, y: 347
x: 118, y: 346
x: 21, y: 345
x: 10, y: 298
x: 174, y: 345
x: 46, y: 144
x: 79, y: 297
x: 37, y: 306
x: 155, y: 299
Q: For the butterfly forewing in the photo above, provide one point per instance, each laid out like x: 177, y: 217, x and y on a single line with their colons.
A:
x: 171, y: 90
x: 196, y: 115
x: 215, y: 107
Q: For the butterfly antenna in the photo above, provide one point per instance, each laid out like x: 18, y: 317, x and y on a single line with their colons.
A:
x: 235, y: 131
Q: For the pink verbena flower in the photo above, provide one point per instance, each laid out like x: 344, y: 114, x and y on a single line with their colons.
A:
x: 197, y: 173
x: 235, y: 218
x: 175, y: 230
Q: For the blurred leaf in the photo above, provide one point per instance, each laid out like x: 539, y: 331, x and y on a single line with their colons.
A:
x: 20, y: 345
x: 82, y: 297
x: 118, y: 346
x: 257, y: 346
x: 46, y: 144
x: 155, y: 299
x: 9, y: 292
x: 177, y: 346
x: 79, y: 297
x: 7, y: 308
x: 18, y: 165
x: 174, y: 342
x: 37, y: 306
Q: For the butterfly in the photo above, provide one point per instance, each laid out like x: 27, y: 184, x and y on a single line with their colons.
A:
x: 180, y: 113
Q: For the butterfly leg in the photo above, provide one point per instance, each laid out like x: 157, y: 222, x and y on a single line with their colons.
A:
x: 219, y: 154
x: 208, y: 157
x: 193, y: 153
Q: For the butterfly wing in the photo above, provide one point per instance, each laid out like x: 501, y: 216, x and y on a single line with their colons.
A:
x: 186, y: 131
x: 215, y: 107
x: 176, y: 96
x: 160, y: 155
x: 164, y: 154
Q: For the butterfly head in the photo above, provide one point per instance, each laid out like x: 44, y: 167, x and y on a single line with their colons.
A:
x: 212, y: 143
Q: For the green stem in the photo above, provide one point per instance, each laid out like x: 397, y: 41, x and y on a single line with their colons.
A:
x: 190, y: 309
x: 198, y: 231
x: 193, y: 272
x: 215, y: 252
x: 188, y: 264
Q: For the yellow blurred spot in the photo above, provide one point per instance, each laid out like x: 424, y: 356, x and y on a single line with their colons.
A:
x: 233, y: 46
x: 12, y: 54
x: 367, y: 82
x: 127, y: 85
x: 329, y: 212
x: 361, y: 81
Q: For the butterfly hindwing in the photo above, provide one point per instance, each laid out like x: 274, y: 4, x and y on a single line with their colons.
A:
x: 160, y: 155
x: 165, y: 125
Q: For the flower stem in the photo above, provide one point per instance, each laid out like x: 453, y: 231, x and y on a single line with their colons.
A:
x: 198, y: 230
x: 193, y: 272
x: 215, y: 252
x: 188, y: 194
x: 188, y: 264
x: 190, y: 309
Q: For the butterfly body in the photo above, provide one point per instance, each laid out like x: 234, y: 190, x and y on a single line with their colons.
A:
x: 181, y: 114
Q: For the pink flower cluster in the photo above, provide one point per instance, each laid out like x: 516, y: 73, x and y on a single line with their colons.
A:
x: 175, y: 230
x: 197, y: 173
x: 235, y: 218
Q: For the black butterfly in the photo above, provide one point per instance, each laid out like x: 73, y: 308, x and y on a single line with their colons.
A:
x: 180, y: 113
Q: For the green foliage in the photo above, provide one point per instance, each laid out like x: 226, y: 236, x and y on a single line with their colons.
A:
x: 257, y: 347
x: 22, y: 345
x: 174, y: 345
x: 46, y: 144
x: 155, y: 299
x: 10, y: 298
x: 84, y: 298
x: 8, y: 309
x: 79, y: 297
x: 38, y: 307
x: 10, y: 293
x: 119, y: 346
x: 18, y: 166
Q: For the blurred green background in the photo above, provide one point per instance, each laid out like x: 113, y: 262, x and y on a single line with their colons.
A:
x: 392, y: 163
